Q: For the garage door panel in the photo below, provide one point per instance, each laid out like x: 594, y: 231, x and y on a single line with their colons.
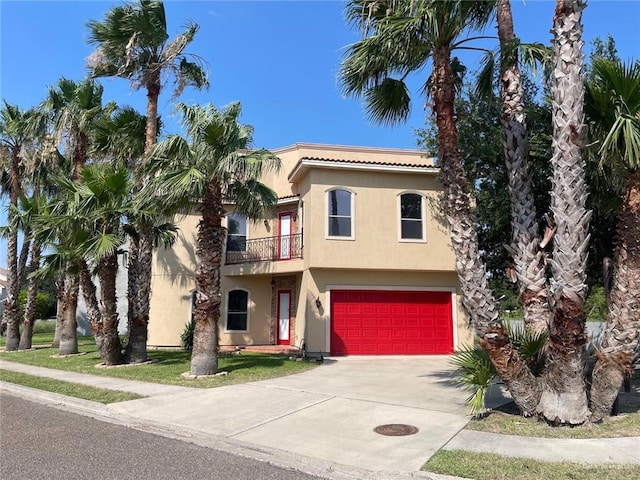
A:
x: 391, y: 322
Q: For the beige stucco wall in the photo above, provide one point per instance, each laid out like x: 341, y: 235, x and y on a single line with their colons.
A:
x: 259, y: 322
x: 173, y: 281
x: 376, y: 243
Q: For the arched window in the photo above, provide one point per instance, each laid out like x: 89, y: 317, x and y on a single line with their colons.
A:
x: 237, y: 310
x: 412, y: 217
x: 340, y: 213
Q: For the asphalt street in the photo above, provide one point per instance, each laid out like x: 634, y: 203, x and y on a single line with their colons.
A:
x: 40, y: 442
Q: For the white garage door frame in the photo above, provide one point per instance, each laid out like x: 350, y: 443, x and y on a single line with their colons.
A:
x: 394, y: 288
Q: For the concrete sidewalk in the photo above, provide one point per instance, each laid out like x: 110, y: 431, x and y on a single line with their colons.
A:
x: 321, y: 421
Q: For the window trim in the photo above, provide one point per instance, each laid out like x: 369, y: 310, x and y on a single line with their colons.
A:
x: 246, y: 233
x: 226, y: 310
x: 352, y: 207
x: 423, y: 214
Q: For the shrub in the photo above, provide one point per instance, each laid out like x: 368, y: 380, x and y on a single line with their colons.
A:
x: 476, y: 373
x: 596, y: 304
x: 43, y: 303
x: 44, y: 326
x: 187, y: 336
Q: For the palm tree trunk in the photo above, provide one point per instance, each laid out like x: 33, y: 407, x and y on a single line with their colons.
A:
x: 11, y: 311
x: 528, y: 258
x: 94, y: 316
x: 68, y: 327
x: 141, y: 252
x: 211, y: 234
x: 59, y: 301
x: 79, y: 154
x: 477, y: 297
x: 153, y: 93
x: 139, y: 295
x: 564, y: 398
x: 110, y: 347
x: 32, y: 295
x: 22, y: 260
x: 622, y: 332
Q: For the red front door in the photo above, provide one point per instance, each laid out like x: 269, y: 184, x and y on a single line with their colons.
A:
x: 379, y: 322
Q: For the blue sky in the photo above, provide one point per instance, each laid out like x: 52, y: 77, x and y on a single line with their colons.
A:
x: 279, y: 58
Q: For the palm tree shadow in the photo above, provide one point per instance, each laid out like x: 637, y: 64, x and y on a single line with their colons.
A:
x: 496, y: 397
x: 242, y: 362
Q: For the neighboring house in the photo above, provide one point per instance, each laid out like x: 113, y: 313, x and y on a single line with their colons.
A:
x: 3, y: 288
x: 356, y: 259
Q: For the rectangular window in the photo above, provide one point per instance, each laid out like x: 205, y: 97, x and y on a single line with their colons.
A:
x: 411, y: 217
x: 237, y: 310
x: 236, y: 233
x: 340, y: 217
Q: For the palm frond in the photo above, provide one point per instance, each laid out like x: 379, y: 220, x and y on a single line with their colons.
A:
x: 484, y: 80
x: 101, y: 245
x: 612, y: 105
x: 389, y: 102
x: 535, y: 55
x: 528, y: 343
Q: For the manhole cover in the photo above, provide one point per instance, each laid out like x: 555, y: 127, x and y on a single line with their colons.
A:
x: 395, y: 429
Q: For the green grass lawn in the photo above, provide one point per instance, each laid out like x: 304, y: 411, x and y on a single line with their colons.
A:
x: 77, y: 390
x: 488, y: 466
x: 246, y: 367
x: 506, y: 420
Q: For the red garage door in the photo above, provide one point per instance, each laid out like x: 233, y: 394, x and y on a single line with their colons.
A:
x: 378, y: 322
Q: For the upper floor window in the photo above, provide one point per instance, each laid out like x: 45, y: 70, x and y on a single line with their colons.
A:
x: 236, y: 233
x: 340, y: 213
x: 412, y: 216
x: 237, y: 310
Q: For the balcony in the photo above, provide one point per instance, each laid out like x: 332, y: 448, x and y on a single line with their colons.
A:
x: 268, y: 249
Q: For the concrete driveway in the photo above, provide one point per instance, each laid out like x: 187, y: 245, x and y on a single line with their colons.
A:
x: 328, y: 413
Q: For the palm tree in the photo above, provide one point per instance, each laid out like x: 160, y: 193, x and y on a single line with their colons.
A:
x: 120, y: 137
x: 212, y: 167
x: 403, y: 35
x: 133, y: 43
x: 612, y: 104
x: 92, y: 208
x: 429, y: 31
x: 29, y: 208
x: 18, y: 129
x: 75, y: 107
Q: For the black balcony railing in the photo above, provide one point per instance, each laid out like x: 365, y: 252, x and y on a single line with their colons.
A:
x: 268, y: 249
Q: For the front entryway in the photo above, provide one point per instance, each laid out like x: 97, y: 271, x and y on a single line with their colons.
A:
x: 284, y: 316
x: 387, y: 322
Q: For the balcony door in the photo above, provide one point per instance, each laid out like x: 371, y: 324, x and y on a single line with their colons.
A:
x: 284, y: 315
x: 284, y: 238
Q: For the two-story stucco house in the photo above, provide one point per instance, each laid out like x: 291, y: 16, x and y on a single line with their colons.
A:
x: 356, y: 259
